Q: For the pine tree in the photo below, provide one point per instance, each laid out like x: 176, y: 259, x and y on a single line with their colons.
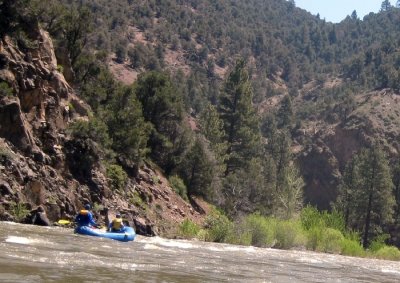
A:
x: 242, y: 188
x: 241, y: 125
x: 211, y: 126
x: 285, y: 113
x: 368, y: 195
x: 127, y: 127
x: 76, y: 25
x: 12, y: 14
x: 386, y: 6
x: 269, y: 131
x: 163, y: 107
x: 344, y: 202
x: 198, y: 169
x: 398, y: 4
x: 354, y: 15
x: 396, y: 183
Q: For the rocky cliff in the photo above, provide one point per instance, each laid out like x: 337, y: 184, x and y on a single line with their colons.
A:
x: 38, y: 158
x: 374, y: 118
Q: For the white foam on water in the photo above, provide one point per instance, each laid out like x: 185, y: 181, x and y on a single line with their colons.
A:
x: 392, y: 271
x: 19, y: 240
x: 215, y: 249
x: 239, y: 248
x: 170, y: 243
x: 28, y: 241
x: 181, y: 245
x: 12, y: 223
x: 151, y: 247
x: 127, y: 266
x: 230, y: 248
x: 309, y: 260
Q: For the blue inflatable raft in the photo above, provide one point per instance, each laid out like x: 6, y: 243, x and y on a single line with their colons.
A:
x: 127, y: 233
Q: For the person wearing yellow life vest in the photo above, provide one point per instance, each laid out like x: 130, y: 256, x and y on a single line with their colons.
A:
x: 116, y: 225
x: 85, y: 217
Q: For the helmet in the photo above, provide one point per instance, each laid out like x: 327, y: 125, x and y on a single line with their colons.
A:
x: 118, y: 215
x: 87, y: 206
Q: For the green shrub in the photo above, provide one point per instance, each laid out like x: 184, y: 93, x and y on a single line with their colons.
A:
x: 310, y: 217
x: 388, y: 252
x: 334, y: 220
x: 219, y: 228
x: 117, y: 177
x: 202, y: 234
x: 24, y: 41
x: 189, y: 229
x: 314, y: 238
x: 6, y: 153
x: 98, y: 207
x: 19, y: 211
x: 94, y: 129
x: 155, y: 179
x: 243, y: 237
x: 351, y: 247
x: 179, y: 186
x: 60, y: 68
x: 331, y: 241
x: 258, y: 231
x: 289, y: 234
x: 5, y: 90
x: 378, y: 243
x: 136, y: 199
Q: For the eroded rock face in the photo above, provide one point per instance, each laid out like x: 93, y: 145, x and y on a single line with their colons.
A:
x: 323, y: 162
x: 321, y: 172
x: 41, y: 165
x: 32, y: 127
x: 13, y: 125
x: 40, y: 93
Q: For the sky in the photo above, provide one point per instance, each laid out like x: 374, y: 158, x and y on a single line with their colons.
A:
x: 336, y: 10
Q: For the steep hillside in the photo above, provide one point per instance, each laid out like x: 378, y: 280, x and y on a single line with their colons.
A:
x: 257, y: 106
x: 41, y: 165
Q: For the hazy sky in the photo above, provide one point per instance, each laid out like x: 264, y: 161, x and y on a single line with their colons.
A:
x: 337, y: 10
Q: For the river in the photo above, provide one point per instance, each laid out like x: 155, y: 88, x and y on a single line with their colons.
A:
x: 54, y: 254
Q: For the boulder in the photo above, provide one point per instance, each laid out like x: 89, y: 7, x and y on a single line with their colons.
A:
x: 5, y: 188
x: 13, y: 126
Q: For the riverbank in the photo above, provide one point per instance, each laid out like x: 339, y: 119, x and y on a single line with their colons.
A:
x: 312, y: 230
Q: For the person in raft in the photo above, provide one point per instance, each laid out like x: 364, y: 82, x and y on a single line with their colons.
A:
x: 116, y: 225
x: 85, y: 217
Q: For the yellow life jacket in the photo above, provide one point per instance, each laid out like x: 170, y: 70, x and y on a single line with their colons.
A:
x: 117, y: 224
x: 84, y: 212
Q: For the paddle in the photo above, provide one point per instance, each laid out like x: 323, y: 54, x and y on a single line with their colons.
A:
x: 67, y: 222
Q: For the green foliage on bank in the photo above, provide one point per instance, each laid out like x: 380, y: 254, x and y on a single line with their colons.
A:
x: 316, y: 231
x: 19, y: 211
x: 179, y: 186
x: 117, y: 177
x: 189, y: 229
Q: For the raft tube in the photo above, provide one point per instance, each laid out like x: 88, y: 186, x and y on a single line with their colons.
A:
x: 127, y: 233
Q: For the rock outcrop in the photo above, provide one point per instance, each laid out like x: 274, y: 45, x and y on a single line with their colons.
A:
x: 41, y: 165
x: 332, y: 145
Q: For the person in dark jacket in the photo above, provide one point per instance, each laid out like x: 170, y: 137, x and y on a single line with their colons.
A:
x: 85, y: 217
x: 40, y: 217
